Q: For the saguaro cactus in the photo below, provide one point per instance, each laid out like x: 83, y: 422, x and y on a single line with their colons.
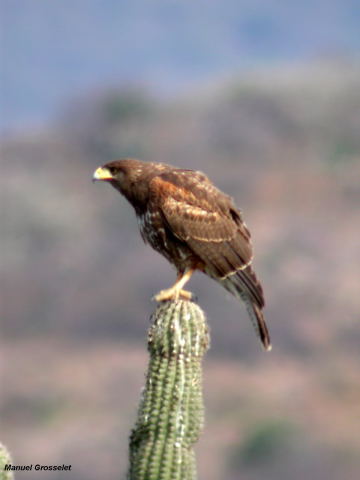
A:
x: 171, y: 411
x: 5, y: 459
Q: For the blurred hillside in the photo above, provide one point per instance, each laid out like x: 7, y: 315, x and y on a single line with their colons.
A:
x: 285, y: 147
x: 52, y: 49
x: 77, y: 279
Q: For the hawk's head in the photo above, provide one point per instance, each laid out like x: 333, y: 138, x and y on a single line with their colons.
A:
x: 130, y: 176
x: 121, y: 171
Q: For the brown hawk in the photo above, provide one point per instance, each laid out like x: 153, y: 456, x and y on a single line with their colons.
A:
x: 183, y: 216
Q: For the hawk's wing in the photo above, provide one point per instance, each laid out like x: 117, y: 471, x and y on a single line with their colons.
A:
x: 199, y: 214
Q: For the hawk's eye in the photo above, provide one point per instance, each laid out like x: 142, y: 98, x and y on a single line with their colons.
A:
x: 113, y: 170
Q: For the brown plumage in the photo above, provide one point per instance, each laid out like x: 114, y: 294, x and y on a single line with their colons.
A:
x: 183, y: 216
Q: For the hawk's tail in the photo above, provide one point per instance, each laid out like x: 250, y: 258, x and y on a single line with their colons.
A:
x: 235, y: 285
x: 257, y: 319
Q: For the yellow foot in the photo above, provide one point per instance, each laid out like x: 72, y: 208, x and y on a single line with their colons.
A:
x: 173, y: 294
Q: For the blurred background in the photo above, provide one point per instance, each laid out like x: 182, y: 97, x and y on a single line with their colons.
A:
x: 264, y: 96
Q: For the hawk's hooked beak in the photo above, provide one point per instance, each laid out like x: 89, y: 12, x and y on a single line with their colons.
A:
x: 102, y: 173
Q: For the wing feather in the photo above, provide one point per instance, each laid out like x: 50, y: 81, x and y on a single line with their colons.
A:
x: 206, y: 219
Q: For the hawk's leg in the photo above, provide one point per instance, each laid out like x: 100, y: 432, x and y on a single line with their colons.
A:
x: 175, y: 292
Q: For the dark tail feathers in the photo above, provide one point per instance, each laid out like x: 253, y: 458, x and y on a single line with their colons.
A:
x: 254, y: 311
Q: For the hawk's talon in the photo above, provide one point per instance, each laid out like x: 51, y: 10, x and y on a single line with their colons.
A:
x: 173, y: 294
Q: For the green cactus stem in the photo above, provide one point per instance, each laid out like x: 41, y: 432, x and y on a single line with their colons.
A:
x: 171, y: 411
x: 5, y: 459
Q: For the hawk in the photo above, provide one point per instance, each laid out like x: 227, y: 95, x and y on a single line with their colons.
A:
x: 183, y: 216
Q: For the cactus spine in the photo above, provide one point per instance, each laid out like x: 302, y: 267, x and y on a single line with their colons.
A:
x: 171, y: 411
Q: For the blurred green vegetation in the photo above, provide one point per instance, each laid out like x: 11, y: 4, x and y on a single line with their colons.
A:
x: 266, y: 442
x: 128, y: 105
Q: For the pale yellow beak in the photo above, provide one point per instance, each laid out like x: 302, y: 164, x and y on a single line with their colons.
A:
x: 102, y: 174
